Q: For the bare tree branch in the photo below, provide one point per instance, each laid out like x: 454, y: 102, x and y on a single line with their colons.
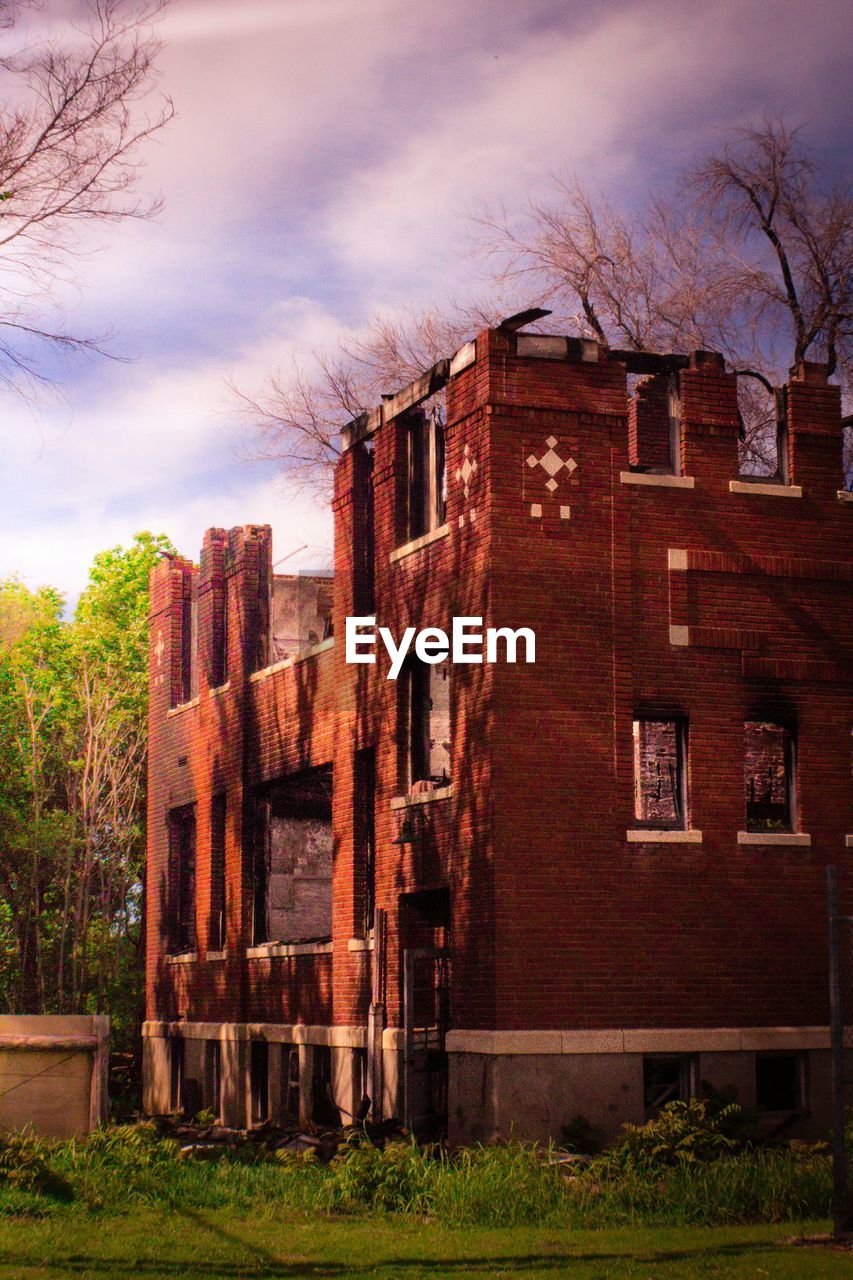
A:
x: 72, y: 126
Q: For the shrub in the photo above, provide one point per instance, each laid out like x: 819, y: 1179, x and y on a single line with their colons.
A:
x: 683, y: 1132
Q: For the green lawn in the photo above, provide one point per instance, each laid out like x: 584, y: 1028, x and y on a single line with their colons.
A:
x: 211, y: 1244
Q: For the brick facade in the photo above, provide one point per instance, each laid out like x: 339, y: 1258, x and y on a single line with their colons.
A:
x: 579, y: 941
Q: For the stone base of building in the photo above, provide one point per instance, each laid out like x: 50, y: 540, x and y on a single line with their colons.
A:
x: 528, y: 1085
x: 306, y: 1074
x: 534, y: 1085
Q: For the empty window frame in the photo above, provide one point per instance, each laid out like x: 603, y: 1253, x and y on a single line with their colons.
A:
x: 364, y: 839
x: 216, y: 933
x: 218, y: 673
x: 323, y: 1109
x: 289, y: 1084
x: 667, y: 1077
x: 763, y: 436
x: 182, y: 856
x: 660, y: 773
x: 780, y: 1081
x: 426, y: 478
x: 428, y: 713
x: 768, y: 773
x: 189, y: 649
x: 213, y: 1077
x: 259, y: 1081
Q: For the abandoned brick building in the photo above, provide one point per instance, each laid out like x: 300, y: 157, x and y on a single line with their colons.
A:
x: 492, y: 897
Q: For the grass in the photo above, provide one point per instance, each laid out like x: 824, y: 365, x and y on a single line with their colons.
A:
x: 664, y: 1203
x: 225, y: 1245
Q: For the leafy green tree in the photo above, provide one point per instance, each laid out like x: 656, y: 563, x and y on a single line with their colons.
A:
x: 73, y: 713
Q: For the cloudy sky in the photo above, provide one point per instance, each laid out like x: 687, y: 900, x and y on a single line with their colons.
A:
x: 321, y: 167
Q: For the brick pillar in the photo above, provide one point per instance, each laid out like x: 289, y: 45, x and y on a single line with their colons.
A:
x: 212, y: 616
x: 649, y: 434
x: 814, y: 430
x: 709, y: 420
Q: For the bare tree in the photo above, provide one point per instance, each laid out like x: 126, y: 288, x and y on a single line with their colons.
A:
x: 300, y: 412
x: 751, y: 254
x: 75, y: 114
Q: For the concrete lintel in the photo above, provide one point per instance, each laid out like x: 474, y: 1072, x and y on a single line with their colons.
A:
x: 771, y: 490
x: 417, y: 391
x: 663, y: 836
x: 789, y: 839
x: 409, y: 548
x: 657, y: 481
x: 183, y: 706
x: 269, y: 950
x: 338, y: 1037
x: 542, y: 346
x: 465, y: 356
x: 186, y: 957
x: 638, y: 1040
x: 423, y: 797
x: 292, y: 662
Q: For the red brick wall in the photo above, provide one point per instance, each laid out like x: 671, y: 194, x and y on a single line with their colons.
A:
x: 556, y: 919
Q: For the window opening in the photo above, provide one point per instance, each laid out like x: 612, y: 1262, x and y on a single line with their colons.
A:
x: 429, y: 723
x: 779, y: 1081
x: 182, y: 847
x: 667, y: 1078
x: 768, y: 777
x: 217, y: 873
x: 259, y: 1081
x: 660, y: 784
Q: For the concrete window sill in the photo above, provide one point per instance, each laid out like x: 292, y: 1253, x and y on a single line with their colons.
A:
x: 360, y: 944
x: 663, y: 836
x: 215, y: 955
x: 220, y: 689
x: 183, y: 706
x: 292, y: 662
x: 185, y: 957
x: 848, y: 842
x: 770, y: 490
x: 784, y: 839
x: 409, y: 548
x: 659, y: 481
x: 426, y: 797
x: 267, y: 950
x: 845, y: 495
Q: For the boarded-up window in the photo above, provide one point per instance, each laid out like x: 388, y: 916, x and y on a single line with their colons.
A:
x: 428, y: 693
x: 182, y: 850
x: 293, y: 859
x: 768, y: 777
x: 660, y: 784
